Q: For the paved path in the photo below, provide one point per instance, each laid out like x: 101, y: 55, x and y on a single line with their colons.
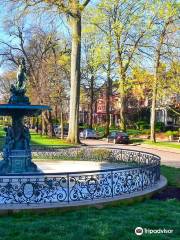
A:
x: 169, y: 157
x: 75, y: 166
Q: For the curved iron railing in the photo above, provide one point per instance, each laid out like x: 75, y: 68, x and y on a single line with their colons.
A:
x: 142, y: 171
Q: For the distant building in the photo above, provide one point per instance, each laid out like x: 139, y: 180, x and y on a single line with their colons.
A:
x: 165, y: 113
x: 137, y: 108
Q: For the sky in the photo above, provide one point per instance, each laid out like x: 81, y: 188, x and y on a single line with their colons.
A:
x: 60, y: 26
x: 29, y: 20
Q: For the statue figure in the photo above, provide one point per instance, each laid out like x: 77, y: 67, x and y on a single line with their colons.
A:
x: 19, y: 89
x: 21, y: 75
x: 27, y: 138
x: 9, y: 142
x: 9, y: 138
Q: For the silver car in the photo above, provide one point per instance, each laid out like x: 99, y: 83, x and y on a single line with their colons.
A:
x: 88, y: 133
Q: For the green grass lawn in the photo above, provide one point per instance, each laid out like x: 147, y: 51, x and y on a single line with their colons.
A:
x: 157, y: 144
x: 105, y: 223
x: 172, y: 175
x: 37, y: 139
x: 164, y: 144
x: 101, y: 131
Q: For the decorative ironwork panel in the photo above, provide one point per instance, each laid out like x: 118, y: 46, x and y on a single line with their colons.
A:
x: 90, y: 187
x: 33, y: 189
x: 141, y: 171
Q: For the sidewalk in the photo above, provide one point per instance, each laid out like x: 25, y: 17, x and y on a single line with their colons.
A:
x: 169, y: 156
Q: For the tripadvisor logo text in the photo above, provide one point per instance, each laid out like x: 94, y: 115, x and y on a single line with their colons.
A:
x: 139, y: 231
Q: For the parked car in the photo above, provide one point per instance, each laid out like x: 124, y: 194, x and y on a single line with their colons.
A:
x: 118, y: 137
x: 88, y: 133
x: 57, y: 130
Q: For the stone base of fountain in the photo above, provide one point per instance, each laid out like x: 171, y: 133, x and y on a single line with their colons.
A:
x: 18, y: 161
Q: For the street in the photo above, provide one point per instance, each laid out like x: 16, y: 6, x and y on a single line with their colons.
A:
x: 169, y: 157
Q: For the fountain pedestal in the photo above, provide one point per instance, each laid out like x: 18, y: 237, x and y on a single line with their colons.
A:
x: 17, y: 149
x: 19, y: 161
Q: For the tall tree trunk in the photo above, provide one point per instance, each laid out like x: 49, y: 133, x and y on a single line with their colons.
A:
x: 91, y: 102
x: 154, y: 90
x: 122, y: 74
x: 122, y: 104
x: 44, y: 125
x: 62, y: 126
x: 108, y: 92
x: 48, y: 124
x: 107, y: 109
x: 73, y: 134
x: 111, y: 120
x: 37, y: 125
x: 155, y: 84
x: 153, y: 111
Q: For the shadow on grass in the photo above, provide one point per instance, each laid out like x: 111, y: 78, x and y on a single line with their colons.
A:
x: 136, y: 140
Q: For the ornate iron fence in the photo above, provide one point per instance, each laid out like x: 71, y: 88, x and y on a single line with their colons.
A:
x: 141, y: 172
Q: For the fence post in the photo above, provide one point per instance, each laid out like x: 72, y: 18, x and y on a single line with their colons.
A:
x: 139, y: 157
x: 68, y: 186
x: 142, y: 180
x: 112, y: 183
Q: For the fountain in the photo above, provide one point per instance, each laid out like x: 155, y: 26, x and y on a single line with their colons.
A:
x: 17, y: 150
x: 121, y: 174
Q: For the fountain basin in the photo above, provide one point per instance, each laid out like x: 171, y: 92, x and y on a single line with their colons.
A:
x: 23, y: 110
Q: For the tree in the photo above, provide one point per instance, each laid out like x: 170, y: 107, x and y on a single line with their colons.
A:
x: 93, y: 60
x: 101, y: 27
x: 165, y: 17
x: 73, y: 10
x: 6, y: 79
x: 47, y: 72
x: 128, y: 33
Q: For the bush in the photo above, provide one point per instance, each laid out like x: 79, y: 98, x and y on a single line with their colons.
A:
x: 95, y: 154
x: 171, y: 133
x: 81, y: 154
x: 101, y: 154
x: 141, y: 125
x: 160, y: 127
x: 146, y: 131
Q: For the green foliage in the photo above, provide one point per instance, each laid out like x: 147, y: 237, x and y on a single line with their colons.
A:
x: 171, y: 133
x: 160, y: 126
x: 141, y: 125
x: 133, y: 131
x: 96, y: 154
x: 80, y: 154
x: 146, y: 131
x: 101, y: 154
